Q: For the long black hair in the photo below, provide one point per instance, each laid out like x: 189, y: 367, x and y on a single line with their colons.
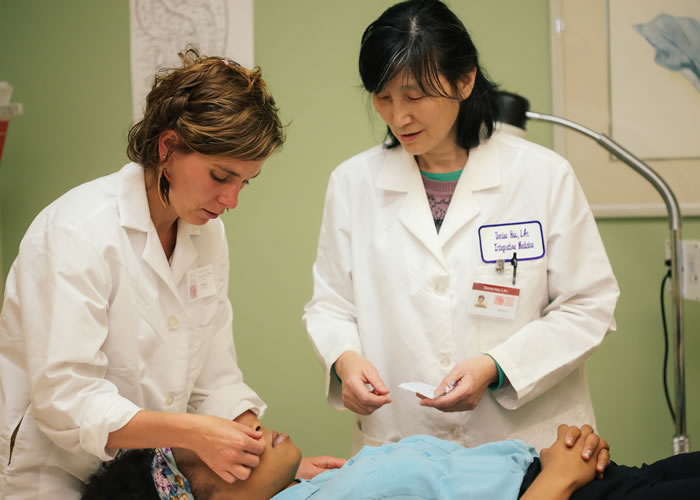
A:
x: 426, y: 38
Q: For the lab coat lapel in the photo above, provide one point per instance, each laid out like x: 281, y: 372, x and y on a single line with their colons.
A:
x: 478, y: 174
x: 400, y: 173
x: 185, y: 253
x: 154, y: 256
x: 135, y: 214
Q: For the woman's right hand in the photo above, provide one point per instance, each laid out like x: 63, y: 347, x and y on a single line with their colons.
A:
x: 355, y: 371
x: 230, y: 449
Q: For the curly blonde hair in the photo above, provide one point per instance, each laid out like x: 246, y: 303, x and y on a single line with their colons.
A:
x: 216, y: 106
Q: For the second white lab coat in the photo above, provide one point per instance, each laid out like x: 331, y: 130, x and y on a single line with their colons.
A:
x: 96, y: 325
x: 389, y: 286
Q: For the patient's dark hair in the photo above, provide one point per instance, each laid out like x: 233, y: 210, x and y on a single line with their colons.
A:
x: 127, y: 477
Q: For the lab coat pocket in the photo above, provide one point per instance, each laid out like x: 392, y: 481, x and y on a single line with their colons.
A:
x: 206, y: 317
x: 207, y: 312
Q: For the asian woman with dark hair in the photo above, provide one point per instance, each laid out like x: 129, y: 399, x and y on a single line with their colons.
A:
x: 447, y: 209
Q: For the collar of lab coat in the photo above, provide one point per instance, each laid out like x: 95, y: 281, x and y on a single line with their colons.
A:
x: 400, y: 173
x: 135, y: 214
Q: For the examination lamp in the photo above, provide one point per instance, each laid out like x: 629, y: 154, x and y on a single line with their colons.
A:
x: 515, y: 111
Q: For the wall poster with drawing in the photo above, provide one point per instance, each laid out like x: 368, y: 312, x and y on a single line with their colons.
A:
x: 630, y: 69
x: 161, y: 28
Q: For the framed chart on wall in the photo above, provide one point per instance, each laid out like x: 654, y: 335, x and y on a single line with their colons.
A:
x: 629, y: 69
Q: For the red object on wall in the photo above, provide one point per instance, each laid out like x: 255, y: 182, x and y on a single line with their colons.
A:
x: 4, y: 124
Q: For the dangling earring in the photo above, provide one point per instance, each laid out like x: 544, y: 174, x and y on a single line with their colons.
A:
x: 163, y: 186
x: 164, y: 157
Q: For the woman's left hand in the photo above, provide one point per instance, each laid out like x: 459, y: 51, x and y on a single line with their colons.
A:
x: 310, y: 467
x: 470, y: 379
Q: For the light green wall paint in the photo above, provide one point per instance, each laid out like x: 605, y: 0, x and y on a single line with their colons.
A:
x: 69, y: 64
x: 625, y: 374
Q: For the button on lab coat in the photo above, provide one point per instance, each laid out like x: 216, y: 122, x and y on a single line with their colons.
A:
x: 389, y: 286
x: 97, y: 325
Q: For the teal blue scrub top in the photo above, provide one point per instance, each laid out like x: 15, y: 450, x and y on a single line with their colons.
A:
x: 423, y: 467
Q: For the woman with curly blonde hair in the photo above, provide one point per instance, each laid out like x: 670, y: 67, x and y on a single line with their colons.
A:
x: 116, y: 329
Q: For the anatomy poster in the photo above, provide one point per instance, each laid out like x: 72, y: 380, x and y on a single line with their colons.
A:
x: 162, y: 28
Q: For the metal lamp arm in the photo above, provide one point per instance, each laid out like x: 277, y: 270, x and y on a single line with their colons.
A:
x: 681, y: 442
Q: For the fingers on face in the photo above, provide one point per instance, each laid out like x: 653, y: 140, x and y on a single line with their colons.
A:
x: 255, y: 446
x: 255, y: 430
x: 240, y: 472
x: 226, y: 476
x: 248, y: 460
x: 247, y: 445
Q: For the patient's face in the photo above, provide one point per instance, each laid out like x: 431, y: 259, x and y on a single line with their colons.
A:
x: 278, y: 466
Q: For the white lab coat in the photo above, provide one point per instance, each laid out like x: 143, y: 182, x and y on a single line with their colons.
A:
x: 390, y: 287
x: 97, y: 325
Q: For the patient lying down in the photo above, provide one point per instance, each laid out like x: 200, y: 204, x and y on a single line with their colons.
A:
x: 419, y: 467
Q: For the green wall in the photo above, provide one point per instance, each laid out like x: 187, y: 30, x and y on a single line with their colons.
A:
x: 69, y: 64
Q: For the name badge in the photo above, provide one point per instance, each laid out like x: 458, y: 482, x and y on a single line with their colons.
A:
x: 495, y: 301
x: 500, y: 241
x: 200, y: 283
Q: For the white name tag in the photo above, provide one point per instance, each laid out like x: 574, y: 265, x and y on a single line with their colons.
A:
x: 495, y: 301
x: 200, y: 282
x: 501, y: 241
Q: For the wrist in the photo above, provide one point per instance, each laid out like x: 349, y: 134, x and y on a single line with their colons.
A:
x: 550, y: 485
x: 155, y: 429
x: 183, y: 429
x: 561, y: 483
x: 342, y: 361
x: 334, y: 374
x: 497, y: 377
